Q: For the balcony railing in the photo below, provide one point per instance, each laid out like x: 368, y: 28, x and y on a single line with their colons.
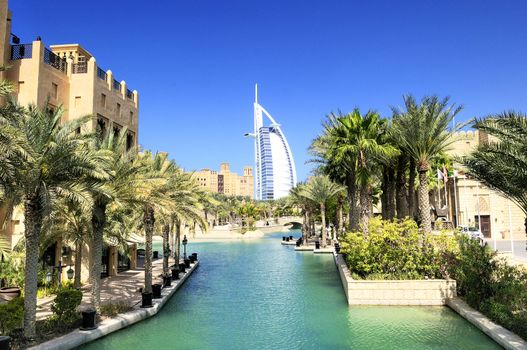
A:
x: 21, y: 51
x: 116, y: 85
x: 101, y: 74
x: 129, y: 94
x: 55, y: 61
x: 79, y: 68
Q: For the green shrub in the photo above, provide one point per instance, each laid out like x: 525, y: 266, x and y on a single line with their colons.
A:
x: 65, y: 305
x: 398, y: 250
x: 11, y: 315
x: 112, y: 309
x: 492, y: 286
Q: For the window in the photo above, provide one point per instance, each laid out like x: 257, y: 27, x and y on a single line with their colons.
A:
x: 131, y: 118
x: 103, y: 100
x: 20, y: 86
x: 77, y: 101
x: 54, y: 90
x: 118, y: 110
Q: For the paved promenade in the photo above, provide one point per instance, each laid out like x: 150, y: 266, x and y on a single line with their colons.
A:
x: 122, y: 288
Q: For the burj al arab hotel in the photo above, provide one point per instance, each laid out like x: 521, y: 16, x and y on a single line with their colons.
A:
x: 274, y: 164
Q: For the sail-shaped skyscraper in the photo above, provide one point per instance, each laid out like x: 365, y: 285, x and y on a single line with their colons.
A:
x: 275, y: 172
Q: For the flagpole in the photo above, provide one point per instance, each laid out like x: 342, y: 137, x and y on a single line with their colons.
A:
x: 479, y: 216
x: 455, y: 200
x: 510, y: 228
x: 438, y: 191
x: 466, y: 199
x: 491, y: 234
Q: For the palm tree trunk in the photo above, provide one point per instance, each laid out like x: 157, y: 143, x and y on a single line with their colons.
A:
x: 424, y: 202
x: 391, y: 193
x: 305, y: 227
x: 411, y: 189
x: 148, y: 221
x: 98, y: 222
x: 339, y: 215
x: 33, y: 226
x: 78, y: 263
x: 364, y: 208
x: 166, y: 248
x: 323, y: 216
x: 177, y: 251
x: 384, y: 195
x: 352, y: 202
x: 401, y: 202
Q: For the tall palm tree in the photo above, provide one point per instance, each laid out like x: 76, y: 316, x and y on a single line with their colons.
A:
x: 118, y: 190
x: 423, y: 132
x: 54, y: 160
x: 353, y: 143
x: 320, y: 189
x: 153, y: 194
x: 502, y: 164
x: 337, y: 162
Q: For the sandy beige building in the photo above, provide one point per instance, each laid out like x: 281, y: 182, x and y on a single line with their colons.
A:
x: 227, y: 182
x: 68, y: 76
x: 473, y: 204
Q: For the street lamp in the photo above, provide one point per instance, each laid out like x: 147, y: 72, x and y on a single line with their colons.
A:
x: 48, y: 281
x: 70, y: 273
x: 185, y: 241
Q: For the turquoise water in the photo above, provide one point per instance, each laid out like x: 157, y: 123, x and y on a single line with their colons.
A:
x: 258, y: 294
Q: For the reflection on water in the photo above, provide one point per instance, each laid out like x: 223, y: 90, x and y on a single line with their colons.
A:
x: 258, y: 294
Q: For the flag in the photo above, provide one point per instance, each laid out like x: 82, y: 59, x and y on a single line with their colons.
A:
x: 456, y: 173
x: 445, y: 174
x: 439, y: 175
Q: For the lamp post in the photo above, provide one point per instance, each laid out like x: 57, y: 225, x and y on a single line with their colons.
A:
x: 70, y: 273
x: 185, y: 241
x: 48, y: 281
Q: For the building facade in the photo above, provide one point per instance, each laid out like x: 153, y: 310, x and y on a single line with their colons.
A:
x: 470, y: 203
x: 68, y: 76
x: 274, y: 163
x: 227, y: 182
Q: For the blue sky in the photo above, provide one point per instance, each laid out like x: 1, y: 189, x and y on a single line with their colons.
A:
x: 195, y: 62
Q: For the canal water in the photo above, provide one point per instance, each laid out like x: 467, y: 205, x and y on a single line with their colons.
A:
x: 258, y: 294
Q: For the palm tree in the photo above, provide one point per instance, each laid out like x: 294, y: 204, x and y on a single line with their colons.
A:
x: 353, y: 143
x: 69, y: 222
x: 502, y: 164
x: 337, y: 162
x: 117, y: 190
x: 320, y: 189
x: 53, y: 163
x: 423, y: 132
x: 153, y: 194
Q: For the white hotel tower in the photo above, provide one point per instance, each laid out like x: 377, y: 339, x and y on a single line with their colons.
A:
x: 275, y: 171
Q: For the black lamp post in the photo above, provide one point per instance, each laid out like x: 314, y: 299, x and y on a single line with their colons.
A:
x: 49, y: 276
x: 185, y: 241
x: 70, y: 273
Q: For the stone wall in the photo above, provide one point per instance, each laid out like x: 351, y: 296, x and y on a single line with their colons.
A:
x: 394, y: 292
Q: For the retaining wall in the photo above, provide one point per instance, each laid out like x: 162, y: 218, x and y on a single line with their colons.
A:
x: 394, y: 292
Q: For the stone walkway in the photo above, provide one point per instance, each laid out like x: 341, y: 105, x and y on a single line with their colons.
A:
x: 122, y: 288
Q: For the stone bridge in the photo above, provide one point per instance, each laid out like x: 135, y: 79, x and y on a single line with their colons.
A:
x: 291, y: 220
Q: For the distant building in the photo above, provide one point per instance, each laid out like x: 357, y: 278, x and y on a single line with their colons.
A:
x: 227, y: 182
x: 474, y: 204
x: 274, y: 163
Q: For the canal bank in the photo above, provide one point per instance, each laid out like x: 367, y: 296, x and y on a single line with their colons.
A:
x: 110, y: 325
x: 258, y: 294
